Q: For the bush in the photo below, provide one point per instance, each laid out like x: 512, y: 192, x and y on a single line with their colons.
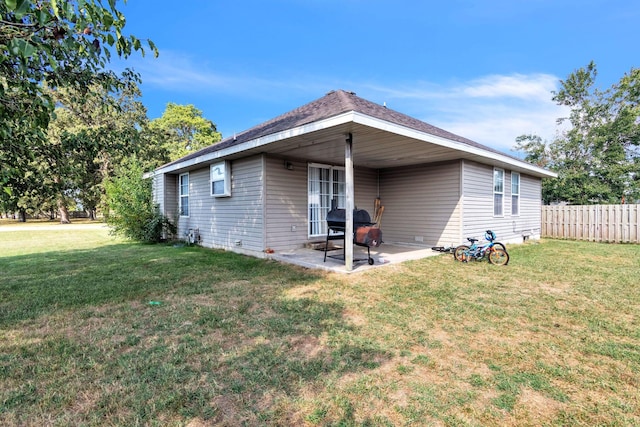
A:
x: 130, y: 211
x: 158, y: 227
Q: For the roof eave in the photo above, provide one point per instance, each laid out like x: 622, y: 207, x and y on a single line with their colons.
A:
x: 365, y: 120
x: 259, y: 142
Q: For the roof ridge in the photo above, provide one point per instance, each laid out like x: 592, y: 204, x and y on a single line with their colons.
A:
x: 346, y: 97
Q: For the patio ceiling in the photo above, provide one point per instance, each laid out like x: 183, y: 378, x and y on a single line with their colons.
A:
x: 372, y: 148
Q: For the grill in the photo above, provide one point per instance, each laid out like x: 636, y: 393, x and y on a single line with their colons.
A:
x: 363, y: 233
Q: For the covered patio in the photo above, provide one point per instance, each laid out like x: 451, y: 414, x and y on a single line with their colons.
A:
x: 282, y: 176
x: 383, y: 255
x: 366, y: 136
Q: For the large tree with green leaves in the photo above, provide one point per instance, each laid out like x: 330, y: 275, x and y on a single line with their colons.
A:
x: 88, y: 137
x: 183, y: 130
x: 51, y: 44
x: 598, y: 157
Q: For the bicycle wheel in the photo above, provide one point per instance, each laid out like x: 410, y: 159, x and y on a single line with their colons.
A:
x: 460, y: 253
x: 499, y: 245
x: 499, y: 257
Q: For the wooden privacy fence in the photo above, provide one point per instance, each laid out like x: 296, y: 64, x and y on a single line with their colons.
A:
x: 598, y: 223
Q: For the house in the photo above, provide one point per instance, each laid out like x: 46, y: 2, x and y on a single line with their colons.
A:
x: 268, y: 189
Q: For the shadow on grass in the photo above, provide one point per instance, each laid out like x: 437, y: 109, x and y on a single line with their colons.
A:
x: 44, y: 283
x: 224, y: 345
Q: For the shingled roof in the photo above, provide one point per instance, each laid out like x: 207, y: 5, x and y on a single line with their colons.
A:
x: 332, y: 104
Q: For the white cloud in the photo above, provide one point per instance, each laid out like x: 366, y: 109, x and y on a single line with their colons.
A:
x: 499, y: 127
x: 536, y: 86
x: 177, y: 72
x: 492, y: 110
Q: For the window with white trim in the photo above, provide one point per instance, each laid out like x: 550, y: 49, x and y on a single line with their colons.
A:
x: 515, y: 193
x: 220, y: 179
x: 183, y: 201
x: 326, y: 183
x: 498, y: 192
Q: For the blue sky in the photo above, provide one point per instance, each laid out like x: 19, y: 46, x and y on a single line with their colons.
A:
x: 483, y: 69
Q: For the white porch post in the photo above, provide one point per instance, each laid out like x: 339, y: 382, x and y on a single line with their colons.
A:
x: 349, y: 204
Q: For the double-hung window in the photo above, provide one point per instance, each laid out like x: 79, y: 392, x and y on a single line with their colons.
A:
x: 515, y: 193
x: 220, y: 179
x: 326, y: 183
x: 498, y: 192
x: 183, y: 201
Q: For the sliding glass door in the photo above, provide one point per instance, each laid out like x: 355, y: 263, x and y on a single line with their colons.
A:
x: 326, y: 183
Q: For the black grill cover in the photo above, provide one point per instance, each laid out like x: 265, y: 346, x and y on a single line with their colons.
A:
x: 337, y: 218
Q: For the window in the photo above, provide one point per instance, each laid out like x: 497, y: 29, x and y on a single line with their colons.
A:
x: 183, y: 203
x: 498, y: 191
x: 221, y: 179
x: 515, y: 193
x: 326, y: 183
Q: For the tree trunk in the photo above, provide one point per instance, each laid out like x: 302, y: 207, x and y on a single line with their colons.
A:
x: 64, y: 212
x: 92, y: 214
x: 22, y: 216
x: 62, y: 203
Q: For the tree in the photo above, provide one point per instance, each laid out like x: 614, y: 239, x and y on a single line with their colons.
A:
x: 597, y: 159
x: 129, y: 207
x: 85, y: 140
x: 60, y: 43
x: 183, y: 130
x: 88, y: 138
x: 535, y: 148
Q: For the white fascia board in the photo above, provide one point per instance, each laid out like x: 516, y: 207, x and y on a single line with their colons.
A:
x: 262, y: 141
x: 373, y: 122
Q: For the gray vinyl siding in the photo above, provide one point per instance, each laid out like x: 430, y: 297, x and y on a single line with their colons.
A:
x: 170, y: 207
x: 422, y: 204
x: 287, y: 218
x: 235, y: 222
x: 478, y: 204
x: 530, y: 219
x: 431, y: 204
x: 157, y: 190
x: 286, y: 205
x: 164, y: 191
x: 366, y: 189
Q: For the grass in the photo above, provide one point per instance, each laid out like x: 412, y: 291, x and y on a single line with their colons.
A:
x: 97, y: 331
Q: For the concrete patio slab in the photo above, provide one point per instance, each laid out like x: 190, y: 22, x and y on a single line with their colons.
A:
x: 385, y: 254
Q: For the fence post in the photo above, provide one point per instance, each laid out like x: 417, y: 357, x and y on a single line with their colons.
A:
x: 635, y: 224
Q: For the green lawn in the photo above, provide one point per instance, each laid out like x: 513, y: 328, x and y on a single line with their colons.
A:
x: 99, y: 331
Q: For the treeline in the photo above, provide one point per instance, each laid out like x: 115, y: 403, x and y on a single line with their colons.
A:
x: 597, y: 157
x: 66, y: 121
